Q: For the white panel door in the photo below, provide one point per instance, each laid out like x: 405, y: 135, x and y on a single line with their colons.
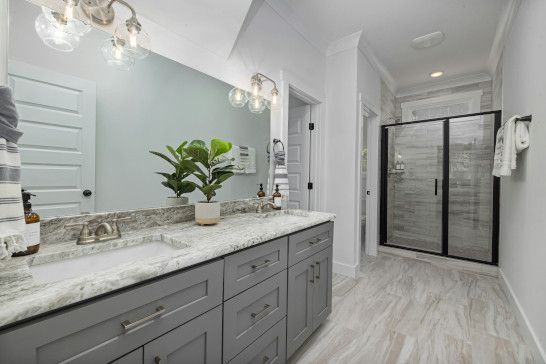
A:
x: 298, y: 156
x: 57, y: 117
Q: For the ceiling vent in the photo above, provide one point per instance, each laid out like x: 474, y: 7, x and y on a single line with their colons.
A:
x: 428, y: 40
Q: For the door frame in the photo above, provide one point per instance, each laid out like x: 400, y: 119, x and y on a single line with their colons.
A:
x: 290, y: 83
x: 372, y: 179
x: 4, y: 41
x: 445, y: 188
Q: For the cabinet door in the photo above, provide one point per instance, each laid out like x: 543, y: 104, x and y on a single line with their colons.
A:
x: 322, y: 292
x: 300, y: 296
x: 198, y: 341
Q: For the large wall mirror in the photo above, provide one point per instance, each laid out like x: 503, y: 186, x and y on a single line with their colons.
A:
x: 88, y: 127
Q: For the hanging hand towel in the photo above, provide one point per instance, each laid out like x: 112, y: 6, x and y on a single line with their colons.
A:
x: 505, y: 149
x: 12, y: 222
x: 522, y: 136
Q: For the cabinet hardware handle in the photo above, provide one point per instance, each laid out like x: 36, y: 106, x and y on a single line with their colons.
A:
x: 157, y: 360
x: 265, y: 359
x: 315, y: 241
x: 318, y: 266
x: 313, y: 274
x: 265, y: 264
x: 260, y: 315
x: 128, y: 325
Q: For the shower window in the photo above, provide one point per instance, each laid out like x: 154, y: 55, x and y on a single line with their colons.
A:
x: 438, y: 194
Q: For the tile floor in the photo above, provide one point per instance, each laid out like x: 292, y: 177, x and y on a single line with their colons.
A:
x: 403, y: 310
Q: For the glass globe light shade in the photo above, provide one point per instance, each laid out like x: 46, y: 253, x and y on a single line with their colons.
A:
x: 256, y: 104
x: 55, y: 37
x: 66, y: 23
x: 237, y: 97
x: 135, y: 40
x: 268, y: 104
x: 116, y: 56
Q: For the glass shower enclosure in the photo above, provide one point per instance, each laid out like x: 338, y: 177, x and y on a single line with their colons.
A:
x: 437, y: 192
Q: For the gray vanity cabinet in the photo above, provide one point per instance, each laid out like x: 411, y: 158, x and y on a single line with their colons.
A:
x: 134, y: 357
x: 300, y: 304
x: 309, y: 288
x: 197, y: 342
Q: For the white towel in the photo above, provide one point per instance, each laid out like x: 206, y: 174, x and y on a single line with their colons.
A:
x: 12, y: 221
x: 522, y: 136
x: 505, y: 149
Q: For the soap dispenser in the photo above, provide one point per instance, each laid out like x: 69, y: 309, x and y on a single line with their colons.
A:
x: 277, y: 198
x: 31, y: 236
x: 261, y: 192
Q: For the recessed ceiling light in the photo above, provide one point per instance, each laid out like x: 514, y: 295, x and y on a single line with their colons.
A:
x: 436, y: 74
x: 428, y: 40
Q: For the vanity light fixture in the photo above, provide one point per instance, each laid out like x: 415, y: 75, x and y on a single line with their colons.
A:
x: 256, y: 102
x: 62, y: 30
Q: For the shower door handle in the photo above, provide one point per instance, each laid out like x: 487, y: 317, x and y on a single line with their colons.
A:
x: 436, y: 187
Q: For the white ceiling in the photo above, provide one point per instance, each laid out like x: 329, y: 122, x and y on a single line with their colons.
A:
x: 211, y: 24
x: 390, y: 25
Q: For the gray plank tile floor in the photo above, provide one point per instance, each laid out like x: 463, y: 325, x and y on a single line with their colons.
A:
x: 403, y: 310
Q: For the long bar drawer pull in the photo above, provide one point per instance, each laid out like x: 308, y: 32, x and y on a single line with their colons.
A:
x: 260, y: 315
x: 128, y: 325
x: 265, y: 264
x: 314, y: 241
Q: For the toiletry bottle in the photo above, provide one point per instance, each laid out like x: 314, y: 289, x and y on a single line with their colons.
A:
x: 31, y: 237
x: 277, y: 198
x: 261, y: 192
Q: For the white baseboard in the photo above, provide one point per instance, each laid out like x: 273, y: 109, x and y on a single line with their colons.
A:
x: 345, y: 269
x: 522, y: 318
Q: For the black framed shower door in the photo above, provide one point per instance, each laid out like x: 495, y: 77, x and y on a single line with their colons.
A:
x: 437, y: 192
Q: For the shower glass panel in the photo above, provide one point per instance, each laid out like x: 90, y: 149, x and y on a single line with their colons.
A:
x: 471, y: 151
x: 414, y: 185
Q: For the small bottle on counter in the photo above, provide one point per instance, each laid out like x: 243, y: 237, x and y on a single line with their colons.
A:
x: 261, y: 192
x: 31, y: 237
x: 277, y: 198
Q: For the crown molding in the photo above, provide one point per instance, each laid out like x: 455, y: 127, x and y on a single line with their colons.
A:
x: 376, y: 63
x: 287, y: 12
x: 501, y: 35
x: 448, y: 83
x: 348, y: 42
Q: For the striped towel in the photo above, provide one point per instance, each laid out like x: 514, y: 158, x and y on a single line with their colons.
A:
x: 12, y: 221
x: 281, y: 173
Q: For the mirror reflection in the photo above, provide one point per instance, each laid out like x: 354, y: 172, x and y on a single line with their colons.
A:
x: 89, y: 127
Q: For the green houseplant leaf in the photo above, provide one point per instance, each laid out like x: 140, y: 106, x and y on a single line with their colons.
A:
x: 184, y: 167
x: 212, y: 168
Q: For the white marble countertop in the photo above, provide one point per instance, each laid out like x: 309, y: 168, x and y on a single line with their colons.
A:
x: 23, y: 297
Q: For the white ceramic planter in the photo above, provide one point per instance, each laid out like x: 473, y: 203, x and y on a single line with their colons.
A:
x: 207, y: 213
x: 177, y: 201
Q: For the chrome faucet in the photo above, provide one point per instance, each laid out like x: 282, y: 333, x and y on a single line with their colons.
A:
x: 263, y: 203
x: 103, y: 232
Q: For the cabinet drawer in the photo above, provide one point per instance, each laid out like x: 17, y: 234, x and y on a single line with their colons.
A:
x: 197, y: 342
x: 308, y: 242
x: 134, y: 357
x: 94, y: 332
x: 269, y: 348
x: 245, y: 269
x: 250, y: 314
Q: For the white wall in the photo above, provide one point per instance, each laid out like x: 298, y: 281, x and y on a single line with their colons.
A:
x: 348, y: 74
x: 523, y: 196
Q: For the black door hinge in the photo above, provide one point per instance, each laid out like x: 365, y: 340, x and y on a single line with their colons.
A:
x: 311, y: 126
x: 310, y: 185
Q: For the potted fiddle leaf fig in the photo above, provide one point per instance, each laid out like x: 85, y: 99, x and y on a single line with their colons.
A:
x: 212, y: 168
x: 177, y: 180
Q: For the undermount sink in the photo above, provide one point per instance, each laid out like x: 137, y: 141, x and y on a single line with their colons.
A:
x: 97, y: 262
